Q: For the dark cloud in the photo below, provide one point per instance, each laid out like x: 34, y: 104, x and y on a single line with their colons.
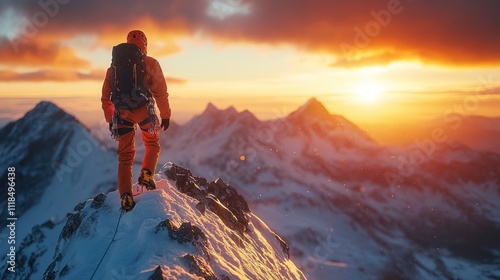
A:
x: 357, y: 32
x: 105, y: 17
x: 42, y: 27
x: 459, y: 32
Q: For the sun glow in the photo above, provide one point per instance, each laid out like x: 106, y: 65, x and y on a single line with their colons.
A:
x: 369, y: 91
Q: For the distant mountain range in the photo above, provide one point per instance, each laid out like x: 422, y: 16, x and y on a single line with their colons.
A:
x: 477, y: 132
x: 347, y: 207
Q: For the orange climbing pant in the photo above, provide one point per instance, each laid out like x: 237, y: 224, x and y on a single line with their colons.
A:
x: 126, y: 147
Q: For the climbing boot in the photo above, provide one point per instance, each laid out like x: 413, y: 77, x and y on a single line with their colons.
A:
x: 146, y: 179
x: 127, y: 202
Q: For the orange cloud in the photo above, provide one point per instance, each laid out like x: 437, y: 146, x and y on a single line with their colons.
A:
x: 50, y: 75
x: 64, y: 76
x: 175, y: 80
x: 374, y: 31
x: 37, y: 54
x: 355, y: 33
x: 359, y: 59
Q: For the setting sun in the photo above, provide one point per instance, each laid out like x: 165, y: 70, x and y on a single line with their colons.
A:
x: 369, y: 91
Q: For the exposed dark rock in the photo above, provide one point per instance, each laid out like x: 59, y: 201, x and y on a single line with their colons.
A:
x: 284, y: 246
x: 37, y: 235
x: 88, y: 225
x: 72, y: 225
x: 157, y: 274
x: 29, y: 252
x: 166, y: 224
x: 50, y: 274
x: 190, y: 233
x: 64, y: 271
x: 183, y: 234
x: 199, y: 267
x: 186, y: 233
x: 225, y: 192
x: 230, y: 197
x: 219, y: 197
x: 79, y: 206
x: 185, y: 182
x: 229, y: 219
x: 98, y: 201
x: 48, y: 224
x: 31, y: 267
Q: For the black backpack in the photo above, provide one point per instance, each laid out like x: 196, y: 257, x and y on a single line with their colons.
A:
x: 128, y: 77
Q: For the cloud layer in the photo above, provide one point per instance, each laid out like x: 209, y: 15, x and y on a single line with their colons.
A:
x: 355, y: 33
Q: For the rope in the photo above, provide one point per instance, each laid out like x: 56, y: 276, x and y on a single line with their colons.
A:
x: 135, y: 74
x: 112, y: 239
x: 114, y: 125
x: 154, y: 126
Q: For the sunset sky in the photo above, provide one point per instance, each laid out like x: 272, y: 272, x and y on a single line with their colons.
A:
x: 372, y: 61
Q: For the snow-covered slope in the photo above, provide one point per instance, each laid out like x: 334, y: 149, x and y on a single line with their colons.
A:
x: 51, y: 150
x: 57, y: 164
x: 349, y: 208
x: 170, y: 235
x: 353, y: 209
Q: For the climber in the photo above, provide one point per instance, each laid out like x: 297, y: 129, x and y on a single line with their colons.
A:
x: 132, y: 85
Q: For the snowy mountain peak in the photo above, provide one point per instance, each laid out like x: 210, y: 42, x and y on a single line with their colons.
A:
x: 46, y: 118
x: 210, y: 109
x: 213, y: 121
x: 312, y: 108
x: 231, y: 110
x: 49, y: 111
x: 314, y: 119
x: 188, y: 228
x: 46, y: 106
x: 247, y: 115
x: 59, y: 163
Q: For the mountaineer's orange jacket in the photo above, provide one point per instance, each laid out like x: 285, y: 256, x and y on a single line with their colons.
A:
x: 155, y: 82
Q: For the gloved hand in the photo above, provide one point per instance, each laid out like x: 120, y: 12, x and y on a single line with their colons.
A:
x: 165, y: 123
